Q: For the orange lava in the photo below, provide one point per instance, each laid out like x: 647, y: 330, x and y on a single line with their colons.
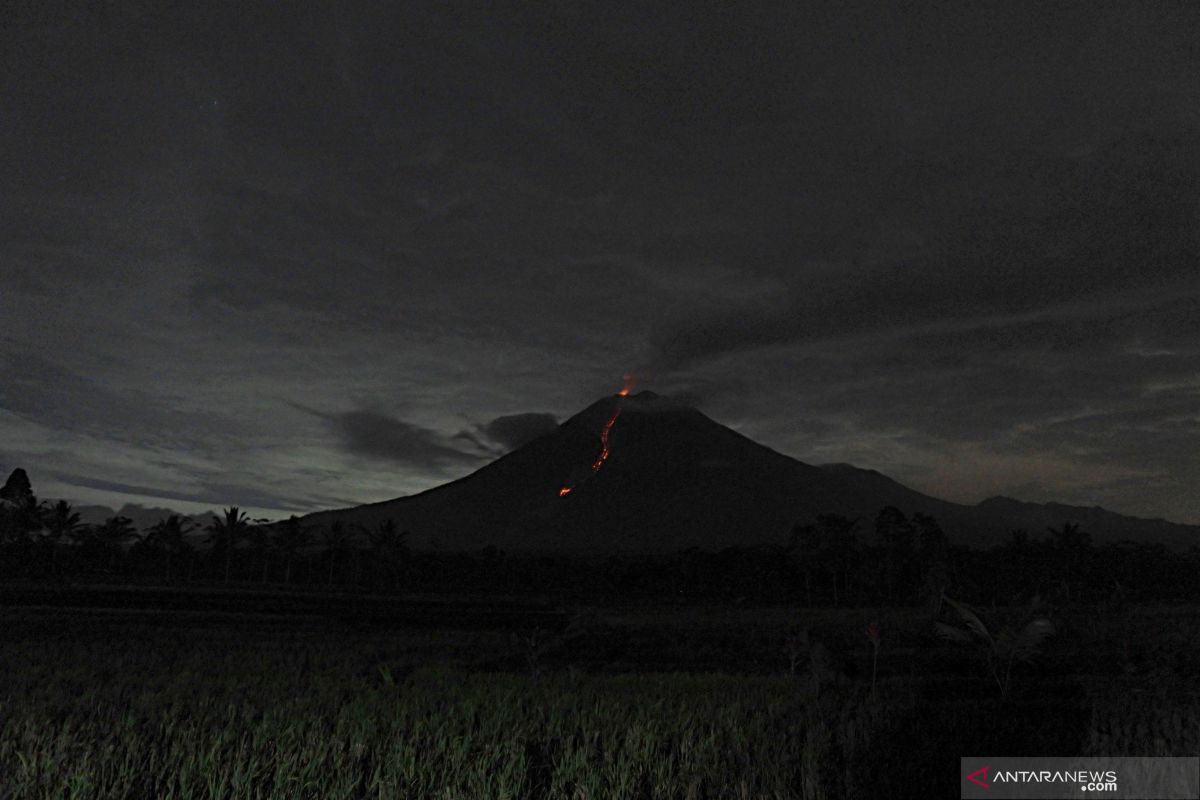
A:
x: 628, y: 379
x: 605, y: 452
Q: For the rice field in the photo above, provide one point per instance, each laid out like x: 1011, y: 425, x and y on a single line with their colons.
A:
x: 227, y: 714
x: 435, y: 733
x: 126, y: 704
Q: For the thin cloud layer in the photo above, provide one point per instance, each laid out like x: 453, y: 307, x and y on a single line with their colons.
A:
x: 384, y: 437
x: 905, y: 238
x: 513, y: 430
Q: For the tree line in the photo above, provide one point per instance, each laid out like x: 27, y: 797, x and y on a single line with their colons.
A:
x: 831, y: 561
x: 44, y: 540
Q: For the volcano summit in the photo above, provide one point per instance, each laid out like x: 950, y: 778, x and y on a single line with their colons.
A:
x: 672, y: 478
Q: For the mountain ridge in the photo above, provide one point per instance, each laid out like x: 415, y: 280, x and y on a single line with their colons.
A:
x: 141, y: 516
x: 674, y: 478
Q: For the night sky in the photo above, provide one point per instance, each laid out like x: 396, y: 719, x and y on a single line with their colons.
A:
x: 299, y: 260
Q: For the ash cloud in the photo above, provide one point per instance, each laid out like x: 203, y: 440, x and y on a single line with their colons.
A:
x: 384, y: 437
x: 721, y: 333
x: 513, y: 430
x: 1056, y: 227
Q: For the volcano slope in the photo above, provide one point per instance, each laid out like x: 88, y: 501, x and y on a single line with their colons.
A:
x: 674, y: 479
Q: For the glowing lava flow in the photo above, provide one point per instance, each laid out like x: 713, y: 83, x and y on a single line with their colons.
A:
x: 604, y: 449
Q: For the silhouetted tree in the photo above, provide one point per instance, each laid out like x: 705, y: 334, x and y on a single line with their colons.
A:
x: 389, y: 546
x: 1018, y: 540
x: 290, y: 538
x: 933, y: 569
x: 839, y: 547
x: 111, y: 537
x: 806, y: 545
x: 894, y: 530
x: 337, y: 541
x: 931, y: 540
x: 20, y: 512
x: 1070, y: 537
x: 1019, y: 556
x: 226, y: 533
x: 61, y: 522
x: 263, y: 542
x: 168, y: 535
x: 897, y: 537
x: 1072, y: 546
x: 17, y: 487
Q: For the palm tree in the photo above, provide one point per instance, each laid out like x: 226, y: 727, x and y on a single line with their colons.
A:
x: 1072, y: 544
x: 168, y: 534
x: 336, y: 541
x: 225, y: 533
x: 262, y: 542
x: 61, y: 522
x: 388, y: 543
x: 1070, y: 537
x: 112, y: 536
x: 290, y: 538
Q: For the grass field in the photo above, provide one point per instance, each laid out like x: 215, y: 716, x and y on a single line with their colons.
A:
x: 296, y: 696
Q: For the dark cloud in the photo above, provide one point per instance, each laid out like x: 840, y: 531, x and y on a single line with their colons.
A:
x: 958, y: 384
x: 513, y: 430
x: 217, y: 494
x: 384, y: 437
x: 1134, y: 204
x: 721, y: 332
x: 884, y: 234
x: 48, y: 393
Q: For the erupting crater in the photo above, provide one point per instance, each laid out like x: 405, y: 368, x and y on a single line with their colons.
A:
x: 605, y: 451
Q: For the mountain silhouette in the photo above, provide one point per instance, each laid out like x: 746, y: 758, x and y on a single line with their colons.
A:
x: 142, y: 517
x: 676, y: 479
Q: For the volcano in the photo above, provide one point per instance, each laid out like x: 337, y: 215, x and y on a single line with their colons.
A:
x: 648, y: 474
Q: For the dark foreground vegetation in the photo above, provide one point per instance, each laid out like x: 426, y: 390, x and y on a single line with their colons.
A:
x: 891, y: 560
x: 638, y: 701
x: 845, y: 663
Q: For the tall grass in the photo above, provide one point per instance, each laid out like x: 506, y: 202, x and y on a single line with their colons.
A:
x: 88, y: 721
x: 98, y: 706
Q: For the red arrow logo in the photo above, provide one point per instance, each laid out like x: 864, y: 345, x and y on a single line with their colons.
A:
x: 975, y: 780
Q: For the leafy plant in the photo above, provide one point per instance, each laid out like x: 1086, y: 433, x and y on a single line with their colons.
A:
x: 1001, y: 650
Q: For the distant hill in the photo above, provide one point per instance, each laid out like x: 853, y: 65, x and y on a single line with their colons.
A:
x: 676, y: 479
x: 1104, y: 526
x: 141, y: 516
